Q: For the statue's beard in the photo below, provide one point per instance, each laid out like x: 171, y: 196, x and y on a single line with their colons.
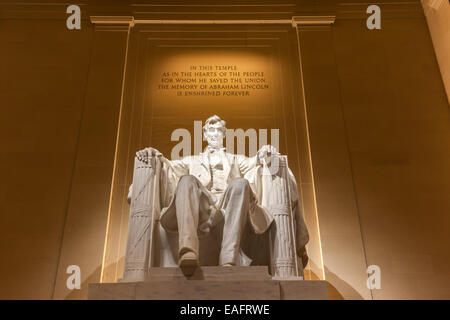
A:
x: 215, y: 143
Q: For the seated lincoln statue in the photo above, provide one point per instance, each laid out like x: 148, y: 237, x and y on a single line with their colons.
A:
x: 214, y: 208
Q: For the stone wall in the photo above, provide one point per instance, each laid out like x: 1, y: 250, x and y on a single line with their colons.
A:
x: 377, y: 141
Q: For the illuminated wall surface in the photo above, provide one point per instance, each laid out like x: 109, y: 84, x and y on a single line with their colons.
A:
x: 362, y: 114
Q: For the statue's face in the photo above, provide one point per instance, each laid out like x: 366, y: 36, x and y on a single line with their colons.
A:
x: 214, y: 135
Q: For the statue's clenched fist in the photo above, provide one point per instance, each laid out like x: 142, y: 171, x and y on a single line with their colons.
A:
x: 147, y: 153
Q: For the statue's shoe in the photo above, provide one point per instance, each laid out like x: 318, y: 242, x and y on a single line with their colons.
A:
x: 228, y: 265
x: 188, y: 263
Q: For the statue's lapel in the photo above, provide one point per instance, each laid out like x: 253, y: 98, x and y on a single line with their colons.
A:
x: 226, y: 164
x: 205, y: 160
x: 200, y: 168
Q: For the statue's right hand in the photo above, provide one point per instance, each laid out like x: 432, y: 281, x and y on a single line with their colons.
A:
x: 147, y: 153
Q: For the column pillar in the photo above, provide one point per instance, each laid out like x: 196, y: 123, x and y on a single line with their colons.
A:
x: 337, y: 211
x: 437, y: 13
x: 86, y: 220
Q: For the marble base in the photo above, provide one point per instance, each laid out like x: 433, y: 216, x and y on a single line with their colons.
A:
x: 210, y: 283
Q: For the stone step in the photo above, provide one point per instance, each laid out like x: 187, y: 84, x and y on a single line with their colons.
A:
x: 210, y: 290
x: 211, y: 274
x: 211, y: 283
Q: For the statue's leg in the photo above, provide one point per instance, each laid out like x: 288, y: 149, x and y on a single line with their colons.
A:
x: 189, y: 209
x: 187, y: 204
x: 236, y: 201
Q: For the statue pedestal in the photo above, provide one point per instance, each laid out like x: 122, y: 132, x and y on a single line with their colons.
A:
x: 211, y: 283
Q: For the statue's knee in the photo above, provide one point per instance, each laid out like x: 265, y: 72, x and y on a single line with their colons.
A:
x: 187, y: 181
x: 239, y: 184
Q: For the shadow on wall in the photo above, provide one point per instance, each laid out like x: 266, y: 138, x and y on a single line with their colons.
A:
x: 334, y: 294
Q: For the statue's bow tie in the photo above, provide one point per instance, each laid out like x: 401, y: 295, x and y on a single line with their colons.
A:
x: 212, y: 150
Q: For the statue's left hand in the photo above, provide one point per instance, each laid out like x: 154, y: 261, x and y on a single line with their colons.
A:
x: 267, y: 151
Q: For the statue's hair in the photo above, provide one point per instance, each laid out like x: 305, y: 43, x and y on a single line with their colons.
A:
x: 213, y: 120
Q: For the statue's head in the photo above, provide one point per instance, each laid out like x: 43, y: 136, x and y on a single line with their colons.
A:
x: 214, y: 131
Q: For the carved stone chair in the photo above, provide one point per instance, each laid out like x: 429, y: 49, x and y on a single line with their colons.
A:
x: 150, y: 245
